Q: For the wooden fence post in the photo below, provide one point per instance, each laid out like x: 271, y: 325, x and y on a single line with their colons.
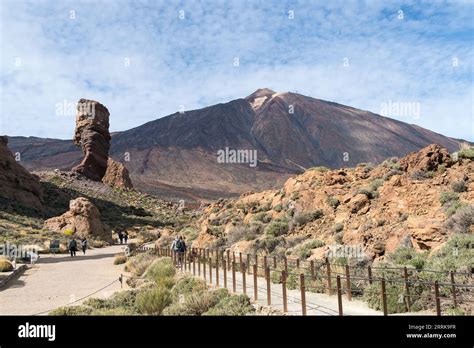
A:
x: 244, y: 283
x: 199, y: 264
x: 328, y: 274
x: 228, y: 260
x: 194, y: 264
x: 407, y: 289
x: 369, y: 271
x: 256, y: 260
x: 248, y: 263
x: 267, y: 276
x: 265, y: 261
x: 348, y: 284
x: 210, y: 270
x: 217, y: 269
x: 436, y: 291
x: 283, y: 288
x: 339, y: 294
x: 204, y: 266
x: 255, y: 284
x: 285, y: 264
x: 240, y: 260
x: 224, y: 269
x: 311, y: 266
x: 303, y: 294
x: 453, y: 289
x: 384, y: 297
x: 234, y: 288
x: 274, y: 262
x: 298, y: 263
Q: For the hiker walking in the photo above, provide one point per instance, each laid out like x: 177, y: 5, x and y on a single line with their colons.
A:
x: 73, y: 247
x: 181, y: 249
x: 120, y: 236
x: 84, y: 245
x: 125, y: 237
x: 174, y: 248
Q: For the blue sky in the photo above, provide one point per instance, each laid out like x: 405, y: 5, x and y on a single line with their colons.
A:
x: 143, y: 61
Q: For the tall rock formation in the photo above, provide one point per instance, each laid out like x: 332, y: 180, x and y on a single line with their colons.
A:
x: 92, y: 135
x: 17, y: 185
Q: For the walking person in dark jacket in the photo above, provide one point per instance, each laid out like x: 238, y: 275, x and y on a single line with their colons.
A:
x: 181, y: 245
x: 73, y: 247
x: 125, y: 237
x: 84, y: 245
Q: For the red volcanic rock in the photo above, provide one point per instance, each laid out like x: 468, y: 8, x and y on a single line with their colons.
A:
x: 92, y: 135
x: 16, y: 183
x: 117, y: 175
x: 428, y: 158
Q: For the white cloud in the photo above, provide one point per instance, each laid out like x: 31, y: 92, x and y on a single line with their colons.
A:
x: 190, y: 62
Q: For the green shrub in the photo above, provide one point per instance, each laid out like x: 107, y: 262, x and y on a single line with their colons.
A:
x: 446, y: 197
x: 162, y: 272
x: 408, y: 256
x: 277, y: 228
x: 370, y: 194
x: 339, y: 237
x: 402, y: 216
x: 153, y: 301
x: 395, y: 299
x: 304, y: 251
x: 278, y: 208
x: 319, y: 169
x: 120, y: 259
x: 232, y: 305
x: 374, y: 185
x: 197, y: 303
x: 466, y: 153
x: 461, y: 220
x: 303, y: 218
x: 139, y: 263
x: 455, y: 255
x: 188, y: 285
x: 333, y: 202
x: 459, y: 186
x: 262, y: 217
x: 269, y: 243
x: 5, y: 266
x: 70, y: 311
x: 441, y: 168
x: 422, y: 175
x: 453, y: 207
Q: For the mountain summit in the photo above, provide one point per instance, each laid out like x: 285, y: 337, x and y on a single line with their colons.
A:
x: 177, y: 156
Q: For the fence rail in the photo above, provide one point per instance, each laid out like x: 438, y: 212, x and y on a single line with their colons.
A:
x: 334, y: 279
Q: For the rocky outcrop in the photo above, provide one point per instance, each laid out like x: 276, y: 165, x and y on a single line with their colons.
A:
x: 92, y: 135
x: 82, y: 219
x: 17, y: 185
x: 117, y: 175
x: 427, y: 159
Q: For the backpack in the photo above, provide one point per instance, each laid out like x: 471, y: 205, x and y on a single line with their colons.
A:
x: 179, y: 245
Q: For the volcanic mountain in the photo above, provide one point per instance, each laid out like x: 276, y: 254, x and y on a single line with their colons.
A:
x: 176, y: 157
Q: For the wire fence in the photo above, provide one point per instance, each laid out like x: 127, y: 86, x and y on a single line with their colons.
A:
x: 401, y: 288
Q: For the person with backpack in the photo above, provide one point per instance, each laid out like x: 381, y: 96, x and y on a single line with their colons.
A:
x: 181, y: 245
x: 175, y: 248
x: 72, y: 247
x: 125, y: 237
x: 120, y: 236
x: 84, y: 245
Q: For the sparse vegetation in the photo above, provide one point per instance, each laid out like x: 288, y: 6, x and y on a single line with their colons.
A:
x: 5, y: 265
x: 277, y: 228
x: 120, y: 259
x: 459, y: 186
x: 333, y: 202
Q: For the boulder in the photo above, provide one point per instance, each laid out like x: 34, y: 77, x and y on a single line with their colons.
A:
x: 117, y: 175
x: 92, y: 135
x: 359, y: 203
x: 82, y: 219
x: 427, y: 159
x: 17, y: 185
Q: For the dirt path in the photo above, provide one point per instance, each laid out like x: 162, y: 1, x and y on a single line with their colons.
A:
x: 57, y: 280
